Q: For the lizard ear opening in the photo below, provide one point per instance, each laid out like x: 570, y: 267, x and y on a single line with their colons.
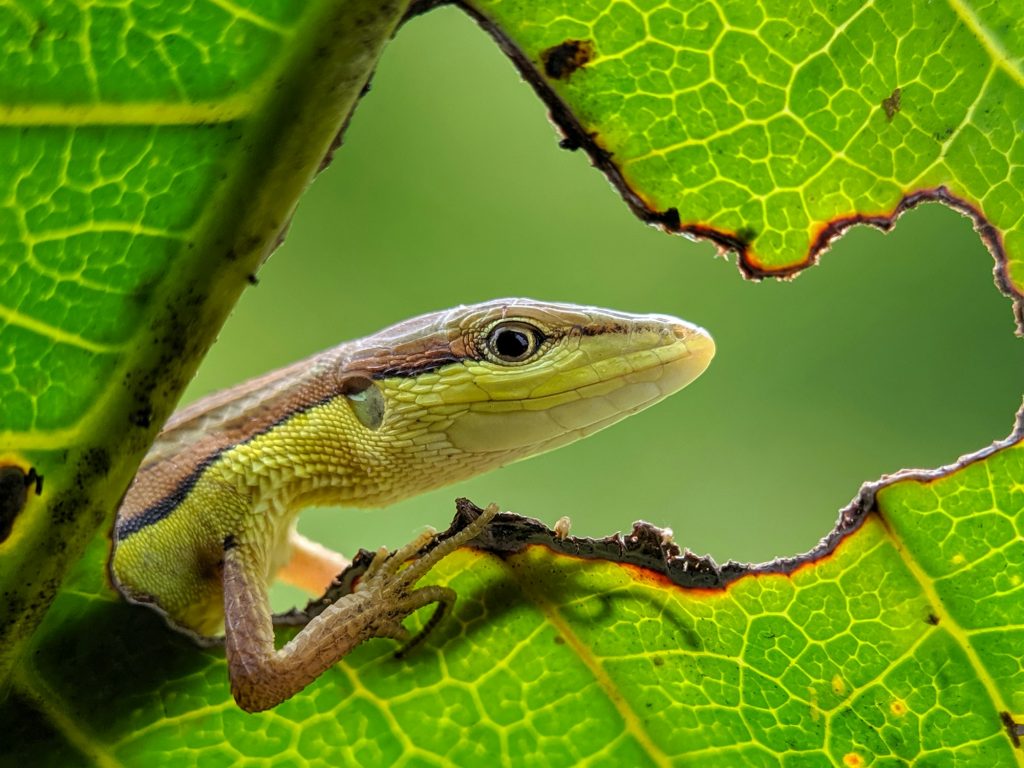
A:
x: 366, y: 400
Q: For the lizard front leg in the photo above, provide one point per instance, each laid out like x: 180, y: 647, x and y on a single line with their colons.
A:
x: 262, y: 676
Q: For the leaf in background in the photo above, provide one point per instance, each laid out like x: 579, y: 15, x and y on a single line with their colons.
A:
x: 771, y: 127
x: 150, y: 157
x: 896, y: 640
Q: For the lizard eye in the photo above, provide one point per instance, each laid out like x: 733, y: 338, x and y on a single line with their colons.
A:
x: 514, y: 342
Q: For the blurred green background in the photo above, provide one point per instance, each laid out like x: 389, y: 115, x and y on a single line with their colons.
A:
x: 898, y: 351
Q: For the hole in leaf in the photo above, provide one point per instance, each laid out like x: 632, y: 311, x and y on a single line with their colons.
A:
x: 898, y: 351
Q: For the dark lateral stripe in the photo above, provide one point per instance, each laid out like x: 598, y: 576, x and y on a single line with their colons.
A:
x: 125, y: 527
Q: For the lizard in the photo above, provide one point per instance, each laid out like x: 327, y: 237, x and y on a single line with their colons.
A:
x: 209, y: 520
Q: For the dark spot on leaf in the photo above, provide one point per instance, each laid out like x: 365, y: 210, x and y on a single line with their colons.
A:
x: 97, y: 460
x: 65, y: 508
x: 38, y: 34
x: 253, y: 280
x: 932, y: 619
x: 559, y: 640
x: 746, y: 235
x: 658, y: 661
x: 141, y: 417
x: 561, y: 60
x: 68, y: 506
x: 891, y: 104
x: 1014, y: 729
x: 14, y: 485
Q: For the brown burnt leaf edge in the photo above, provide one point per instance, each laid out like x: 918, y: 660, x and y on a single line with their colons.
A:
x: 647, y: 546
x: 672, y: 222
x: 652, y: 548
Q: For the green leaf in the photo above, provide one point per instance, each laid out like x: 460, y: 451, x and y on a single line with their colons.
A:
x: 771, y: 127
x: 150, y: 157
x: 886, y: 645
x: 897, y: 639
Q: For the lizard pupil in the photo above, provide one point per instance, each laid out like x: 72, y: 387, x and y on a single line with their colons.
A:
x: 513, y: 343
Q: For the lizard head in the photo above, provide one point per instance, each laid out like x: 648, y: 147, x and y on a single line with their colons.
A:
x: 513, y: 378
